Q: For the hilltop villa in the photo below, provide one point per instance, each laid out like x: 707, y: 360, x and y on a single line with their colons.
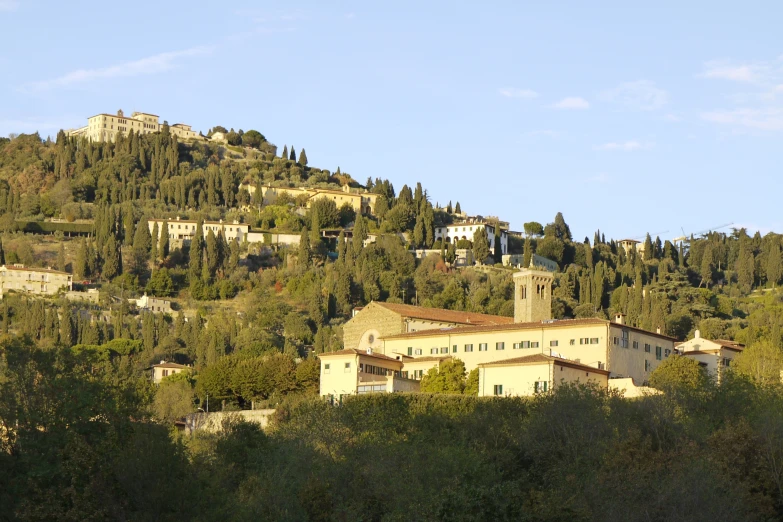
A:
x: 106, y: 127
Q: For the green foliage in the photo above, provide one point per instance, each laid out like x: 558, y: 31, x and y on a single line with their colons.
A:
x: 679, y: 373
x: 448, y: 378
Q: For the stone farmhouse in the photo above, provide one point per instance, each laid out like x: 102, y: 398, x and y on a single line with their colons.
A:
x: 362, y: 202
x: 39, y: 281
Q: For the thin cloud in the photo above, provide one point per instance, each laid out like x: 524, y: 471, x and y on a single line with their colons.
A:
x: 572, y: 103
x: 641, y: 95
x: 672, y: 117
x: 145, y: 66
x: 512, y: 92
x: 627, y: 146
x: 746, y: 73
x: 9, y: 5
x: 765, y: 119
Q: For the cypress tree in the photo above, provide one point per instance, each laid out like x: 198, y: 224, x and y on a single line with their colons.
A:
x: 480, y: 246
x: 359, y: 236
x: 196, y: 247
x: 293, y: 154
x: 2, y: 254
x: 111, y: 260
x: 303, y: 254
x: 61, y: 258
x: 302, y: 158
x: 154, y: 244
x: 129, y: 226
x: 527, y: 253
x: 285, y: 153
x: 457, y: 209
x: 163, y: 248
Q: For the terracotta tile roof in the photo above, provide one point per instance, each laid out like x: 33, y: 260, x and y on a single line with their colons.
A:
x: 172, y: 365
x: 538, y: 358
x: 354, y: 351
x: 33, y: 269
x: 429, y: 358
x: 445, y: 316
x: 730, y: 344
x: 560, y: 323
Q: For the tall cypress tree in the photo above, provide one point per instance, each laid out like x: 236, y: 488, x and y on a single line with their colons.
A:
x: 293, y: 154
x: 302, y: 158
x: 284, y: 155
x: 163, y: 248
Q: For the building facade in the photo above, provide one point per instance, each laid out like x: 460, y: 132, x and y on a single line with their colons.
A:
x: 356, y: 372
x: 714, y: 356
x: 537, y: 373
x: 377, y: 320
x: 106, y: 127
x: 181, y: 231
x: 361, y: 202
x: 465, y: 230
x: 153, y: 304
x: 165, y: 369
x: 40, y: 281
x: 420, y: 337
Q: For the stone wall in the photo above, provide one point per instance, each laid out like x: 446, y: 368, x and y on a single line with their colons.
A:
x: 373, y: 320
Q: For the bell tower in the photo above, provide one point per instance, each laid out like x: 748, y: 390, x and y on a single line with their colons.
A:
x: 532, y: 295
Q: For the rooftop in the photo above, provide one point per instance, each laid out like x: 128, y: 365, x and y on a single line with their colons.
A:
x: 561, y: 323
x: 354, y: 351
x: 172, y: 365
x: 539, y: 358
x: 32, y: 269
x: 444, y: 316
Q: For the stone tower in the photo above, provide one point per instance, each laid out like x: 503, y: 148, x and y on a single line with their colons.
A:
x: 532, y: 295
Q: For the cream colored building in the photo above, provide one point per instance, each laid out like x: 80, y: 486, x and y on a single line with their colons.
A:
x: 376, y: 320
x: 41, y: 281
x: 356, y: 372
x: 183, y: 230
x: 406, y: 333
x: 536, y: 373
x: 362, y: 202
x: 465, y: 230
x: 714, y: 356
x: 165, y: 369
x: 106, y: 127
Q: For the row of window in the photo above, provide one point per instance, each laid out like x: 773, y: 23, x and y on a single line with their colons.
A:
x: 538, y: 387
x: 346, y: 368
x: 483, y: 347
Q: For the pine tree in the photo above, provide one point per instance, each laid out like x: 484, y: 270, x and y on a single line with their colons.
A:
x: 302, y: 158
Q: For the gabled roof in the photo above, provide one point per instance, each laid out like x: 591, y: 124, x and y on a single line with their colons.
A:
x: 538, y: 358
x: 731, y: 345
x: 512, y: 326
x: 429, y: 358
x: 172, y: 365
x: 354, y: 351
x: 444, y: 316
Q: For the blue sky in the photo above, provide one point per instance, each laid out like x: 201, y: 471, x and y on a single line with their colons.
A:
x: 625, y: 119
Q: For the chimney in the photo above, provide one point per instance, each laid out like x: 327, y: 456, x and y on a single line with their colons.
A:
x: 619, y: 318
x: 658, y: 330
x: 369, y: 351
x: 697, y: 334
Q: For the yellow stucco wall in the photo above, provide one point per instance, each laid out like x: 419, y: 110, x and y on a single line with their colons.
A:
x: 335, y: 380
x: 519, y: 380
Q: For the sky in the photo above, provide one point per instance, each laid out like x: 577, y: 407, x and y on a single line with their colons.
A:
x: 662, y: 119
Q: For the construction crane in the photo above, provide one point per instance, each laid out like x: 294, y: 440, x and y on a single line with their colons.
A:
x: 654, y: 234
x: 684, y: 237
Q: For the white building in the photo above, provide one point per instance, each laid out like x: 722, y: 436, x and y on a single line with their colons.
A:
x: 183, y: 230
x: 457, y: 231
x: 714, y: 356
x: 153, y: 304
x: 165, y: 369
x: 106, y: 127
